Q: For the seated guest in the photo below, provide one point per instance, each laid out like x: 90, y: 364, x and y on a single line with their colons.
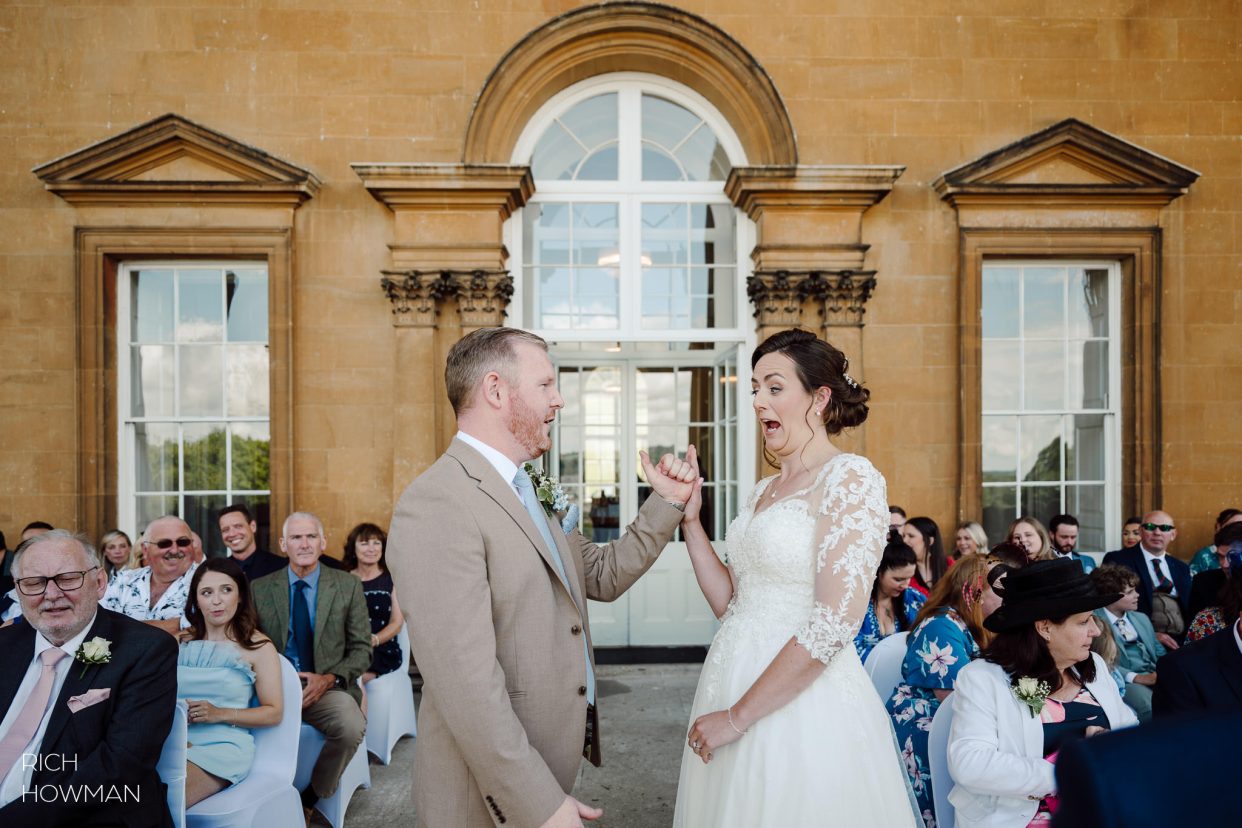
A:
x: 894, y: 604
x: 923, y: 536
x: 1209, y: 557
x: 946, y: 636
x: 1037, y: 687
x: 90, y: 690
x: 364, y: 557
x: 1105, y: 646
x: 1063, y: 530
x: 157, y: 593
x: 1164, y: 581
x: 1010, y: 554
x: 1205, y: 588
x: 317, y: 617
x: 970, y: 539
x: 1205, y: 674
x: 1131, y: 534
x: 1031, y: 535
x: 224, y: 661
x: 1137, y: 647
x: 237, y: 529
x: 117, y: 552
x: 35, y: 527
x: 1211, y: 620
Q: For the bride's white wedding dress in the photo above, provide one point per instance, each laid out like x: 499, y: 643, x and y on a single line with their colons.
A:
x: 804, y: 566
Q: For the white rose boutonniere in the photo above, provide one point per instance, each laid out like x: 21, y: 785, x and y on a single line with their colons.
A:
x: 554, y: 499
x: 96, y: 651
x: 1033, y: 693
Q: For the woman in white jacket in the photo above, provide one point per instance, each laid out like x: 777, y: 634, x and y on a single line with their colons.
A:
x: 1037, y: 685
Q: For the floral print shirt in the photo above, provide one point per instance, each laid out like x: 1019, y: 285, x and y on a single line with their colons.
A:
x: 1208, y: 621
x: 869, y: 633
x: 130, y: 594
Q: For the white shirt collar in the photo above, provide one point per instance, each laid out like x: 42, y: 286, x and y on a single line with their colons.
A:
x: 1151, y: 556
x: 70, y: 646
x: 505, y: 467
x: 1115, y: 618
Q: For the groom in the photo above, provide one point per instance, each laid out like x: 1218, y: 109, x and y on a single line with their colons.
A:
x: 498, y: 594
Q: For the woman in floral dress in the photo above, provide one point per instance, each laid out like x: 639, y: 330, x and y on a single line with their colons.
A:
x: 947, y: 634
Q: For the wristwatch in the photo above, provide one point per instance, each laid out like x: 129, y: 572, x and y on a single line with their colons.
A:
x: 681, y: 507
x: 339, y: 682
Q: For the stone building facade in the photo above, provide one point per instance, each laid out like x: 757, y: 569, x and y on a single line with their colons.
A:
x: 302, y: 205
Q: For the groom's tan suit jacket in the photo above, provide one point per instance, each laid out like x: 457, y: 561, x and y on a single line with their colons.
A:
x: 498, y: 639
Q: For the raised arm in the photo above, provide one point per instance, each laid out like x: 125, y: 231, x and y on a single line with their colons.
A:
x: 851, y: 516
x: 714, y: 576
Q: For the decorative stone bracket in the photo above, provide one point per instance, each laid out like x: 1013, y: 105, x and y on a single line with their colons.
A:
x: 779, y: 296
x: 416, y: 296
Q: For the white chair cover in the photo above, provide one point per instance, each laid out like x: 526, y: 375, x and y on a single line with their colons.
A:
x: 390, y: 706
x: 884, y: 664
x: 357, y: 774
x: 938, y: 762
x: 171, y: 766
x: 266, y: 798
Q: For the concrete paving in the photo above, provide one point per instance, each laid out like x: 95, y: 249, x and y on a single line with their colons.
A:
x: 644, y: 711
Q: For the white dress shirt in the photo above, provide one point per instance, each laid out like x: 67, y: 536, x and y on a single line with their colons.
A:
x: 1129, y: 675
x: 505, y: 467
x: 18, y: 779
x: 1164, y: 568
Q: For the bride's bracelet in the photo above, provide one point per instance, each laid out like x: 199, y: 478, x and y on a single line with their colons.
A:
x: 729, y: 713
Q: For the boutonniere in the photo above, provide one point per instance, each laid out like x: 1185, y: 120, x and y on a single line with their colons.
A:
x: 96, y: 651
x: 548, y: 490
x: 1033, y: 693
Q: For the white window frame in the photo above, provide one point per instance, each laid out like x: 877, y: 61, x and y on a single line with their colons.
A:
x: 127, y: 492
x: 1112, y: 414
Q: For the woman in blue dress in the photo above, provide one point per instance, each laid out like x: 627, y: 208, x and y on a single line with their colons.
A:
x: 228, y: 672
x: 947, y: 634
x: 894, y: 603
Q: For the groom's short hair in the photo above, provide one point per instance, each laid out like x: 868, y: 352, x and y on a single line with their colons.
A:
x: 478, y: 353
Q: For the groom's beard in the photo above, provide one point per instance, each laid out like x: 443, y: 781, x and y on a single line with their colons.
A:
x: 527, y: 427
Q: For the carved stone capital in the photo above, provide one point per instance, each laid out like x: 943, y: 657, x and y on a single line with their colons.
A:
x: 418, y: 296
x: 777, y: 298
x: 839, y: 297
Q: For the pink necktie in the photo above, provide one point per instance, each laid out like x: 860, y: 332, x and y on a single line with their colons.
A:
x: 27, y: 722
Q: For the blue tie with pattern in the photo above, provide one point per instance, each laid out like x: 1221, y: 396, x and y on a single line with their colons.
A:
x: 533, y: 508
x: 303, y: 635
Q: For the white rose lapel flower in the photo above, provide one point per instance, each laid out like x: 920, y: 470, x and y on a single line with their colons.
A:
x: 1033, y: 693
x: 96, y: 651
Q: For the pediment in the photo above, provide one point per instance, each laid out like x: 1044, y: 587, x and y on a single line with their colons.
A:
x: 172, y: 159
x: 1070, y: 160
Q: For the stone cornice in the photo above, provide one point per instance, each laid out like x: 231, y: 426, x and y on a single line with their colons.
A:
x: 448, y: 186
x: 836, y: 186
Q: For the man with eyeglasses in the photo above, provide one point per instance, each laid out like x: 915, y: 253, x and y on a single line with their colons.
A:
x: 76, y: 727
x: 157, y: 593
x: 1164, y: 581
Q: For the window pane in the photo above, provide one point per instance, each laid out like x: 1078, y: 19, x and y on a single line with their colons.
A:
x: 1040, y: 447
x: 665, y: 235
x: 1043, y: 295
x: 152, y: 389
x: 569, y: 449
x: 1088, y: 374
x: 712, y: 234
x: 999, y: 510
x: 1000, y: 301
x: 204, y: 456
x: 569, y: 385
x: 600, y: 165
x: 202, y: 391
x: 150, y: 507
x: 658, y: 165
x: 678, y: 145
x: 1087, y: 504
x: 585, y: 128
x: 246, y: 299
x: 200, y: 513
x: 248, y: 381
x: 1000, y: 454
x: 602, y: 515
x: 703, y: 157
x: 1043, y: 376
x: 1000, y: 376
x: 656, y: 390
x: 252, y: 453
x: 1085, y: 453
x: 1041, y: 502
x: 1088, y: 302
x: 200, y: 317
x: 151, y: 305
x: 155, y: 457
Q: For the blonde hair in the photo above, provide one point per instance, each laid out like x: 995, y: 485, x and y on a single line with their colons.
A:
x: 977, y: 535
x: 1045, y: 540
x: 1104, y: 644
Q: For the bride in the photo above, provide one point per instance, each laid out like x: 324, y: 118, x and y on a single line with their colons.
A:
x: 786, y: 728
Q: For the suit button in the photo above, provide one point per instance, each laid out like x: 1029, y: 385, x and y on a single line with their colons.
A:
x: 575, y: 629
x: 581, y: 691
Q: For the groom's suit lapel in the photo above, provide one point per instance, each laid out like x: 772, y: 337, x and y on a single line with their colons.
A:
x: 489, y: 482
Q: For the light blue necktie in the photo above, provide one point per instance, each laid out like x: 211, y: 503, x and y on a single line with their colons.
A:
x: 533, y: 508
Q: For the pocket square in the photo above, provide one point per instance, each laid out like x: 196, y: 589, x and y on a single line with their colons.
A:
x: 88, y: 698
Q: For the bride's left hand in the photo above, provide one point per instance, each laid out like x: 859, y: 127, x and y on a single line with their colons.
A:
x: 711, y: 732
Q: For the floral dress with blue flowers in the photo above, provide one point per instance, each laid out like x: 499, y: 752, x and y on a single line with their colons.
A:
x: 939, y: 647
x: 869, y: 633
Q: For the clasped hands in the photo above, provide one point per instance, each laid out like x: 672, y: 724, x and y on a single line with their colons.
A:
x: 316, y: 685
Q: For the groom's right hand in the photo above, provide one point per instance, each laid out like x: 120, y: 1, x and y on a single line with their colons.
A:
x: 571, y: 813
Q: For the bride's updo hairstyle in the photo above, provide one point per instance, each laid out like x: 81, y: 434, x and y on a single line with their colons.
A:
x: 820, y: 365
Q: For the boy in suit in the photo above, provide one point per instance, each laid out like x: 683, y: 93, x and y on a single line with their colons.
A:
x: 1137, y: 645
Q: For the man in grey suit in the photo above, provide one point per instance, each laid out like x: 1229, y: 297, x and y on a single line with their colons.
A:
x: 1137, y: 645
x: 317, y: 617
x: 497, y: 595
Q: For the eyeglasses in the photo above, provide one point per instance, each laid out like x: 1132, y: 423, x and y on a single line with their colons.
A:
x: 182, y: 543
x: 1163, y: 527
x: 65, y: 582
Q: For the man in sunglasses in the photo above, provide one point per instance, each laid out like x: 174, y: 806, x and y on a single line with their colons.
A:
x: 86, y: 698
x: 1164, y: 581
x: 157, y: 593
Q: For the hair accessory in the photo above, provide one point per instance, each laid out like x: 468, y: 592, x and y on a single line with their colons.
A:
x: 850, y: 381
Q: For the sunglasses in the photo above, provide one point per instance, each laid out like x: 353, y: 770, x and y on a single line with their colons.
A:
x: 1163, y: 527
x: 182, y: 543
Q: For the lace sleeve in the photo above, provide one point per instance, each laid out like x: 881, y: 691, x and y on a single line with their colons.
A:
x: 851, y: 523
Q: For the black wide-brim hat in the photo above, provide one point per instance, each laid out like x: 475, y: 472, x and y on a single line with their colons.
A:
x: 1046, y: 589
